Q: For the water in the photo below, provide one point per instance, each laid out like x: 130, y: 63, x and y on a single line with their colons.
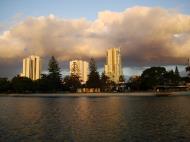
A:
x: 95, y: 119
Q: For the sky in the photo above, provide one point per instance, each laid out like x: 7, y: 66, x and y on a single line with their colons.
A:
x: 149, y: 33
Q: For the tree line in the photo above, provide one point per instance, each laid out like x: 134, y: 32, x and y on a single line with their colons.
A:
x: 53, y: 81
x: 157, y: 76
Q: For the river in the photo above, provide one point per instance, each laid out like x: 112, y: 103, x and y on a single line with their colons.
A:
x: 95, y: 119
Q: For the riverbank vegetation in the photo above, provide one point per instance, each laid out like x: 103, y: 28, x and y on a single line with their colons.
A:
x: 53, y: 82
x: 157, y: 76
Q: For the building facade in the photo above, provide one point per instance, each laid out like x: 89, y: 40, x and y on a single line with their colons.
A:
x: 80, y: 68
x: 31, y: 67
x: 113, y: 67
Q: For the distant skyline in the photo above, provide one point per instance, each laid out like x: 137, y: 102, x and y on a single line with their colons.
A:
x: 149, y: 33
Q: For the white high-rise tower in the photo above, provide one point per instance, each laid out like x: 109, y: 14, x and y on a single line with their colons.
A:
x: 31, y: 67
x: 80, y: 68
x: 113, y: 68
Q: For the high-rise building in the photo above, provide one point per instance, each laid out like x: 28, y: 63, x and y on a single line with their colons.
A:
x: 113, y: 68
x: 80, y: 68
x: 31, y: 67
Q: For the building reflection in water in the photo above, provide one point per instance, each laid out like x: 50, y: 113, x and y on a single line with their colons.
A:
x: 94, y: 119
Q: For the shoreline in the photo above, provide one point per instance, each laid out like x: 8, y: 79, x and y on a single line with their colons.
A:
x: 135, y: 94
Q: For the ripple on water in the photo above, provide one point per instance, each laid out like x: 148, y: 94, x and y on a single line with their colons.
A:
x: 84, y: 119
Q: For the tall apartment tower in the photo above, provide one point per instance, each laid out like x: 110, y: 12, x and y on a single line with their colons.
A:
x: 113, y: 68
x: 31, y: 67
x: 80, y: 68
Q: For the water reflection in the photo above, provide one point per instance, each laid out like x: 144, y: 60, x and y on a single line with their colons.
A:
x: 102, y: 119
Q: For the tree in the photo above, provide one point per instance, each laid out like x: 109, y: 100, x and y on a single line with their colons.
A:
x: 42, y: 85
x: 171, y: 78
x: 152, y: 77
x: 104, y: 82
x: 188, y: 70
x: 93, y: 77
x: 54, y: 76
x: 72, y: 83
x: 177, y: 71
x: 177, y: 76
x: 121, y: 79
x: 4, y: 85
x: 53, y: 68
x: 22, y: 84
x: 134, y: 83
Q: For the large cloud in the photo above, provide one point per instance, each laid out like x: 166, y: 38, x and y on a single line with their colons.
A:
x: 145, y: 35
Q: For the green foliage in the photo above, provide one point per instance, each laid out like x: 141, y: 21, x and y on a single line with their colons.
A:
x: 104, y: 80
x: 5, y: 85
x: 71, y: 83
x: 171, y: 78
x: 42, y: 85
x: 134, y: 83
x: 185, y: 79
x: 122, y: 79
x: 93, y: 77
x: 53, y: 68
x: 52, y: 82
x: 155, y: 76
x: 22, y: 84
x: 152, y: 77
x: 106, y: 84
x: 53, y: 79
x: 177, y: 72
x: 188, y: 70
x: 93, y: 67
x: 48, y: 83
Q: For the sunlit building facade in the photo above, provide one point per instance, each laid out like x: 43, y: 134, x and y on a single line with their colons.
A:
x: 31, y: 67
x: 113, y: 67
x: 80, y: 68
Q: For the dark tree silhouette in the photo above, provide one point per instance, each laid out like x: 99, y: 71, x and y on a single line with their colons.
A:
x: 122, y: 79
x: 104, y: 82
x: 152, y: 77
x: 107, y: 85
x: 72, y: 83
x: 53, y: 68
x: 42, y: 85
x: 171, y: 78
x: 188, y: 70
x: 5, y: 85
x: 54, y: 76
x: 134, y: 83
x: 22, y: 84
x: 93, y: 77
x: 177, y: 71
